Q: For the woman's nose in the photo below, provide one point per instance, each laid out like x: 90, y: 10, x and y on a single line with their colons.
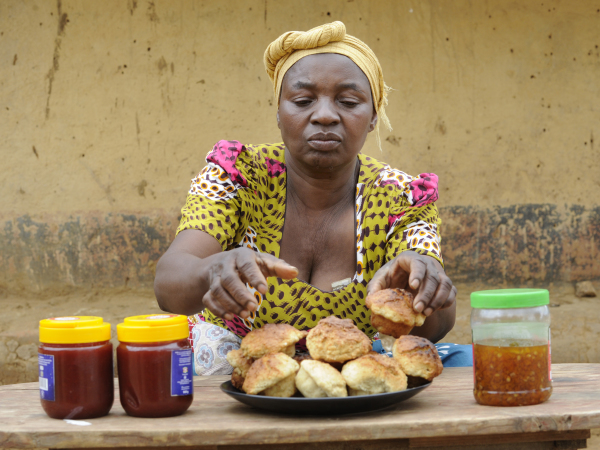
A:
x: 325, y: 112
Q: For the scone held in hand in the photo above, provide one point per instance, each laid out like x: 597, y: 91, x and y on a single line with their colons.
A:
x: 336, y: 340
x: 418, y: 357
x: 318, y: 379
x: 392, y: 312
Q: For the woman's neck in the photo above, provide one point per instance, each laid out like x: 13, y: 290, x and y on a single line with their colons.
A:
x: 320, y: 190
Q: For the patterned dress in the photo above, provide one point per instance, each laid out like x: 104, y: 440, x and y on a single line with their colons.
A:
x: 239, y: 198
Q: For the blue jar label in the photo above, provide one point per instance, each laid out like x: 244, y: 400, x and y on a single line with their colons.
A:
x: 182, y: 380
x: 46, y: 371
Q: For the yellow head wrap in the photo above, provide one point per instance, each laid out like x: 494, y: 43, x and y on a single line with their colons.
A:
x: 292, y: 46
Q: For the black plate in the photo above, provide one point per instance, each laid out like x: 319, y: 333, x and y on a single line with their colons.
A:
x: 320, y: 406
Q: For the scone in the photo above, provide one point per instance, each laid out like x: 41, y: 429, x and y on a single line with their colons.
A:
x: 374, y: 374
x: 418, y: 357
x: 266, y: 374
x: 336, y: 340
x: 285, y: 388
x: 241, y: 364
x: 272, y: 338
x: 392, y: 312
x: 318, y: 379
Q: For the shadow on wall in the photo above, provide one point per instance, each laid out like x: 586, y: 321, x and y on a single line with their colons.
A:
x: 513, y: 245
x: 517, y: 244
x: 53, y: 254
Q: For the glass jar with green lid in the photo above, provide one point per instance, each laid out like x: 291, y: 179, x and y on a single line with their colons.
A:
x: 511, y: 346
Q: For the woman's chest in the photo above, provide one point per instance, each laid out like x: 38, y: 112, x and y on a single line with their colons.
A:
x: 321, y: 245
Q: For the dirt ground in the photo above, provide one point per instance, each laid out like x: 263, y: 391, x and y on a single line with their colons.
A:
x: 575, y: 324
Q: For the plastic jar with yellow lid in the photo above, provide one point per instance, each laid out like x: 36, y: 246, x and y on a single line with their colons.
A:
x: 154, y: 360
x: 75, y: 361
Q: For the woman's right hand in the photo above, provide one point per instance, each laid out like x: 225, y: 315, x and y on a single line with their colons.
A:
x: 228, y: 273
x: 195, y: 273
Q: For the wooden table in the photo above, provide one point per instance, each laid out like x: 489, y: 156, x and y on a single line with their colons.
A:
x: 444, y: 415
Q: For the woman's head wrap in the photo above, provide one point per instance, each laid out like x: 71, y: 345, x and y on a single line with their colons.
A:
x: 292, y: 46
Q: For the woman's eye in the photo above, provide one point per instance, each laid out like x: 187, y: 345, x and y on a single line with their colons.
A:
x: 302, y: 102
x: 349, y: 104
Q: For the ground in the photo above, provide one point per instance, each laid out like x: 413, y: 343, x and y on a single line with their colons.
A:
x: 575, y: 324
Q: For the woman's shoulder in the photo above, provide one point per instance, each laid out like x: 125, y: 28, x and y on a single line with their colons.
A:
x: 418, y: 190
x: 244, y: 161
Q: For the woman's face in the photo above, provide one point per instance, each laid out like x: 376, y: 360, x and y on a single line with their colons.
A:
x: 325, y: 111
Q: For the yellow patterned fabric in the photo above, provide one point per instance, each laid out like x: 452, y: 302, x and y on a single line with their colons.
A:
x: 239, y: 198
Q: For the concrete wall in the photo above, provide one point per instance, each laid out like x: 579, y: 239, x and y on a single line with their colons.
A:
x: 108, y: 108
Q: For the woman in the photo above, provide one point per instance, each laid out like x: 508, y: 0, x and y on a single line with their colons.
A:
x: 297, y: 231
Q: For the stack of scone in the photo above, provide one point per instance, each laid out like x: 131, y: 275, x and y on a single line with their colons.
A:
x: 264, y: 364
x: 341, y: 361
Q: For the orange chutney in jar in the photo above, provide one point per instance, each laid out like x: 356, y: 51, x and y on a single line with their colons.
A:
x: 514, y: 373
x: 511, y: 346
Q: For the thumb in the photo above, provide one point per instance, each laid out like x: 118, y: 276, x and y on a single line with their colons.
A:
x: 378, y: 282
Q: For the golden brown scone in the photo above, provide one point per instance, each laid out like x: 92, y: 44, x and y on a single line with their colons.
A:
x: 388, y: 327
x: 336, y: 340
x: 241, y: 364
x: 418, y: 357
x: 374, y: 374
x: 272, y: 338
x: 285, y: 388
x: 318, y: 379
x: 267, y: 371
x: 392, y: 312
x: 237, y: 380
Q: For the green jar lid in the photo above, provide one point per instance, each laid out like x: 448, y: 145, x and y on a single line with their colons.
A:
x: 509, y: 298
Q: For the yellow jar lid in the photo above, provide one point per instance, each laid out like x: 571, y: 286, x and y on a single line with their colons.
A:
x: 74, y: 330
x: 153, y: 328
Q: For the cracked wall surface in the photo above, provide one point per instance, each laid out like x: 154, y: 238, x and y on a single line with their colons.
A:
x: 107, y: 110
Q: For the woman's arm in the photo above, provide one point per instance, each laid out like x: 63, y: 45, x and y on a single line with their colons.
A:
x: 425, y: 277
x: 194, y: 273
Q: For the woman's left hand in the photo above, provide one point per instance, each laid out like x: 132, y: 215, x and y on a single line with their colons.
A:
x: 419, y: 274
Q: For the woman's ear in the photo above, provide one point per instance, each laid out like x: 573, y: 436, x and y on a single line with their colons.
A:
x: 278, y: 123
x: 373, y: 121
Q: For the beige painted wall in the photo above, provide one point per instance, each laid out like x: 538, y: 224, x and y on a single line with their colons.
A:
x: 110, y: 107
x: 500, y: 98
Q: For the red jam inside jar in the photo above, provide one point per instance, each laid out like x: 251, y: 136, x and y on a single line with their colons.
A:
x: 154, y: 360
x: 75, y: 361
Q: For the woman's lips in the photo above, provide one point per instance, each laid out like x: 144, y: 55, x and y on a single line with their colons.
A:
x: 323, y: 145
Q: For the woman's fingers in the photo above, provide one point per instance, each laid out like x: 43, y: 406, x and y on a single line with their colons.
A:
x: 250, y: 271
x: 228, y: 294
x: 427, y: 288
x: 235, y: 294
x: 379, y: 281
x: 255, y: 267
x: 420, y: 274
x: 440, y: 296
x: 393, y: 274
x: 214, y: 306
x: 226, y: 290
x: 275, y: 267
x: 418, y: 271
x: 451, y: 298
